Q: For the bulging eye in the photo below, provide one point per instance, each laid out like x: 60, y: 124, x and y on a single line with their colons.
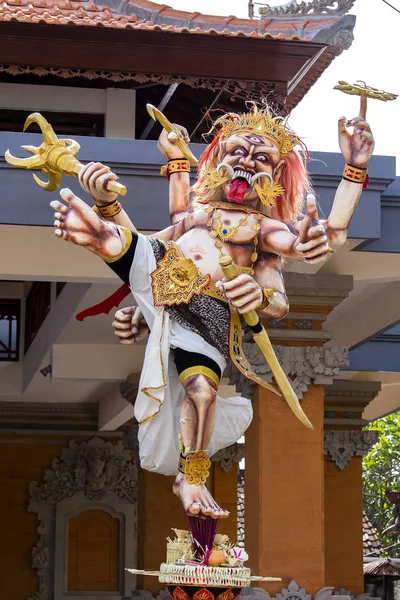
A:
x: 238, y: 152
x: 255, y: 138
x: 262, y: 158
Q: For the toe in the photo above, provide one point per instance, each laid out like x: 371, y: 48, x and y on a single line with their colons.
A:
x: 194, y: 508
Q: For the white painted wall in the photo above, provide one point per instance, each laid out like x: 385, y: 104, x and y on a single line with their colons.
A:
x: 118, y: 105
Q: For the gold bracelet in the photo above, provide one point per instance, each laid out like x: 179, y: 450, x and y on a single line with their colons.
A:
x: 267, y: 295
x: 195, y: 466
x: 108, y: 211
x: 355, y: 174
x: 176, y: 165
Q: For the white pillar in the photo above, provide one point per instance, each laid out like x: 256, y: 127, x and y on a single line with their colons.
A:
x: 120, y: 113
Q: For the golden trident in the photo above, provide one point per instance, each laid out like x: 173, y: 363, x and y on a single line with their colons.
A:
x: 53, y: 157
x: 360, y: 88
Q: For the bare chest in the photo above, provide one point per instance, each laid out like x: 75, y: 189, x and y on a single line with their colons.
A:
x: 236, y: 227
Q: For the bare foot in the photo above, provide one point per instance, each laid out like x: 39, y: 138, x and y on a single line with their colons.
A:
x: 197, y: 500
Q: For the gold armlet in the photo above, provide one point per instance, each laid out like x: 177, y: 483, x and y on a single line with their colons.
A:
x: 195, y: 466
x: 268, y: 297
x: 176, y: 165
x: 109, y: 210
x: 355, y: 174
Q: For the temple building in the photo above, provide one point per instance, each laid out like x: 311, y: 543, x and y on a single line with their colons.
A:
x: 75, y: 509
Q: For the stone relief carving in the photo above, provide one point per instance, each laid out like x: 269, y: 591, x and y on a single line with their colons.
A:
x: 278, y: 324
x: 94, y: 468
x: 316, y: 7
x: 304, y: 324
x: 228, y: 456
x: 293, y: 592
x: 342, y: 40
x: 303, y: 365
x: 343, y: 445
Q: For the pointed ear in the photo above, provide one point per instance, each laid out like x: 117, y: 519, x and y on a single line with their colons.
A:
x: 278, y: 171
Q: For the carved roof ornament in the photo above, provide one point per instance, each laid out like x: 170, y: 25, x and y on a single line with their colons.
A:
x: 343, y: 444
x: 93, y: 467
x: 316, y: 7
x: 227, y: 457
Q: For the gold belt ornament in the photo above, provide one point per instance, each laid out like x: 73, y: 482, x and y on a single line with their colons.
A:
x: 176, y: 279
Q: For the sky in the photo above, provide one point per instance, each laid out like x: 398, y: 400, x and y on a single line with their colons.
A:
x: 373, y: 58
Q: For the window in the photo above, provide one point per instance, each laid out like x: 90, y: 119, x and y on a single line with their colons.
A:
x: 10, y: 311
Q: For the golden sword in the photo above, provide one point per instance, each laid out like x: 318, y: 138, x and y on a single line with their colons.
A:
x: 53, y: 157
x: 364, y: 91
x: 175, y: 135
x: 263, y: 342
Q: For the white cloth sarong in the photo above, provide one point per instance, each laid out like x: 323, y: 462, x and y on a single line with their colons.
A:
x: 160, y: 394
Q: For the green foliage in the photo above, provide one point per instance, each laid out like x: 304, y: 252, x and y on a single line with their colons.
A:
x: 381, y: 474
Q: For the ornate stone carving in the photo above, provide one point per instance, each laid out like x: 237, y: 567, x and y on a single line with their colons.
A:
x: 316, y: 7
x: 293, y: 592
x: 40, y: 556
x: 228, y: 456
x: 94, y: 469
x: 304, y: 324
x: 343, y: 445
x: 278, y: 324
x: 41, y: 594
x: 303, y: 365
x: 342, y: 40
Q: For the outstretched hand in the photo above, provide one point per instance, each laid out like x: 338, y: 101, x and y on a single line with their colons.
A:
x: 312, y: 243
x: 357, y: 147
x: 76, y: 222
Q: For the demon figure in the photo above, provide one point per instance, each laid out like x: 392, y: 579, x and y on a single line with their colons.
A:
x: 247, y: 203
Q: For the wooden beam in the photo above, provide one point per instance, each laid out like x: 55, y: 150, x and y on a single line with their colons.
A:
x: 154, y: 52
x: 54, y: 324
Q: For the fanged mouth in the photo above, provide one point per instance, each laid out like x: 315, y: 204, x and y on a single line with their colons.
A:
x: 245, y: 175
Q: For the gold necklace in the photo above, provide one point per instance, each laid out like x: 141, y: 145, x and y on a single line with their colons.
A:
x: 220, y: 230
x: 221, y: 234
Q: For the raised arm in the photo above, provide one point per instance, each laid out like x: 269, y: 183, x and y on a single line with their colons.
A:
x: 179, y: 183
x: 357, y: 148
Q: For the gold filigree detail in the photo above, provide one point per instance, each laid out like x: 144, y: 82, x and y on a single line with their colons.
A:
x: 269, y: 194
x: 196, y: 467
x: 176, y: 280
x: 214, y: 178
x: 360, y: 88
x: 262, y: 123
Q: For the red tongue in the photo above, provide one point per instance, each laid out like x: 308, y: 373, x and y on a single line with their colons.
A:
x: 237, y: 191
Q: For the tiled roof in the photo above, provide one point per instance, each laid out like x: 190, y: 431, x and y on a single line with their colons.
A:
x: 148, y: 16
x: 383, y: 567
x: 371, y: 544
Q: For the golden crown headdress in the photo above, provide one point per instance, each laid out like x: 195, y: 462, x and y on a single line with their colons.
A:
x: 262, y: 123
